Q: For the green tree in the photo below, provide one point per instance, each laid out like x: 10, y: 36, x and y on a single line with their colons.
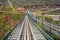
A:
x: 48, y: 19
x: 7, y: 8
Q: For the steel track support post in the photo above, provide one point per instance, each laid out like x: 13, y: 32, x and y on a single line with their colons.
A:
x: 42, y: 21
x: 36, y: 17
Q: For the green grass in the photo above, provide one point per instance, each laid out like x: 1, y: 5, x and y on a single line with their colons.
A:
x: 40, y: 25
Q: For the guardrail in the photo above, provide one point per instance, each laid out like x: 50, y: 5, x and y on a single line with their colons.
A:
x: 44, y: 33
